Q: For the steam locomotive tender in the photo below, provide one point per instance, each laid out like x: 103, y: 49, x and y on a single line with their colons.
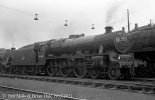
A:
x: 77, y: 55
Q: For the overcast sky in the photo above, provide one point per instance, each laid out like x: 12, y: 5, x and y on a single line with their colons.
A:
x: 17, y: 27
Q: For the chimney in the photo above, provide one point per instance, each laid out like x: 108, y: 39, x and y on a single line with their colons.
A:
x: 123, y: 29
x: 108, y: 29
x: 136, y: 26
x: 12, y: 49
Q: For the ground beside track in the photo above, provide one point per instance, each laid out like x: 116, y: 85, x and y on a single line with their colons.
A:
x: 10, y: 93
x: 74, y: 91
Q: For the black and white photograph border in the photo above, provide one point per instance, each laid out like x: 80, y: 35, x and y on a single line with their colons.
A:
x: 77, y: 50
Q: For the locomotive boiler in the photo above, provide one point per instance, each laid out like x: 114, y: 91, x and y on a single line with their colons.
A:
x: 77, y: 55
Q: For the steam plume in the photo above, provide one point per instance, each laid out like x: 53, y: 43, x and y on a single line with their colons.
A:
x: 111, y: 15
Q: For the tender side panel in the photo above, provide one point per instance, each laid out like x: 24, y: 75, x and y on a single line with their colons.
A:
x: 23, y: 57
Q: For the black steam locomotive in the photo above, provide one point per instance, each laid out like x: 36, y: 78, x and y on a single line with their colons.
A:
x: 113, y: 54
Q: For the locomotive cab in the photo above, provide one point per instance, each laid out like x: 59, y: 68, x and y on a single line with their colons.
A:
x: 40, y: 53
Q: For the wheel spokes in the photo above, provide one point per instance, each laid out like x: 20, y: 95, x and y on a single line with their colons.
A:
x: 94, y: 73
x: 51, y: 70
x: 64, y: 69
x: 114, y: 73
x: 80, y: 70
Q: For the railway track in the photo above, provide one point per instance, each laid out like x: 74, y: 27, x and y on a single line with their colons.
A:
x: 144, y: 87
x: 11, y: 93
x: 144, y: 79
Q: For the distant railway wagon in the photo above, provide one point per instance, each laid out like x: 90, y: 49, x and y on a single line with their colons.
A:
x: 143, y: 48
x: 2, y: 52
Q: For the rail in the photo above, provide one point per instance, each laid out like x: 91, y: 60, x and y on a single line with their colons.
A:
x: 129, y: 86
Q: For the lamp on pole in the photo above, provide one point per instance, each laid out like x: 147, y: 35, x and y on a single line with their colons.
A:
x: 65, y: 23
x: 92, y: 26
x: 36, y: 18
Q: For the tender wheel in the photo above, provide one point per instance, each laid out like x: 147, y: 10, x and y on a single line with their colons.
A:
x: 80, y: 70
x: 6, y: 69
x: 18, y: 70
x: 10, y: 70
x: 64, y: 69
x: 51, y: 70
x: 94, y: 73
x: 3, y: 70
x: 114, y: 73
x: 13, y: 70
x: 35, y: 70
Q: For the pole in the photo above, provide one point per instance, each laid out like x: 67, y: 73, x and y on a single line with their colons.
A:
x: 128, y: 20
x: 150, y: 22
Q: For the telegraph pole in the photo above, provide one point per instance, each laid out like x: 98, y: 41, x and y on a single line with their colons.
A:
x: 128, y: 20
x: 150, y: 22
